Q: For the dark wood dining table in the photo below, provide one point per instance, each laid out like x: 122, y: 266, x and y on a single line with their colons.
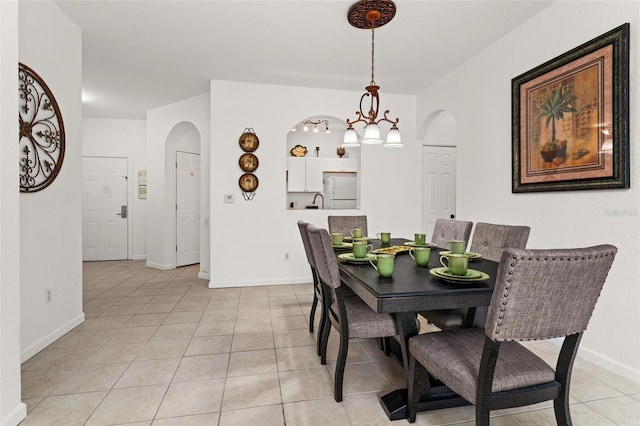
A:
x: 409, y: 290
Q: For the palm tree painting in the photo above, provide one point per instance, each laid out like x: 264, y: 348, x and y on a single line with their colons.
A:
x: 558, y: 101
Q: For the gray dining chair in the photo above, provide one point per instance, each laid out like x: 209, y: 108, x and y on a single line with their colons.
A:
x: 446, y: 230
x: 344, y: 224
x: 350, y: 316
x: 489, y: 240
x: 538, y: 294
x: 317, y: 288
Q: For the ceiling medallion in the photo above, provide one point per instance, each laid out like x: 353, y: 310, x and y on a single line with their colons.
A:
x: 42, y: 139
x: 371, y: 14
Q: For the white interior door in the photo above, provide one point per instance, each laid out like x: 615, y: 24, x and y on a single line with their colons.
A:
x: 438, y: 185
x: 187, y: 208
x: 104, y: 226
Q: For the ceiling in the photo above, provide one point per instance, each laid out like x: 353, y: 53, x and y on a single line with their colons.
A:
x: 138, y: 55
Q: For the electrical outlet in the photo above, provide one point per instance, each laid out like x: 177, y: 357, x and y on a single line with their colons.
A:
x: 286, y: 256
x: 47, y: 294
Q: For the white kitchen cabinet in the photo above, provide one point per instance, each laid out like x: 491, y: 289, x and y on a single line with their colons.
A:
x: 341, y: 165
x: 315, y: 167
x: 296, y: 175
x: 305, y: 174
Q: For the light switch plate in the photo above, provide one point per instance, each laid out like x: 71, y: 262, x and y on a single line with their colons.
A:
x: 229, y: 198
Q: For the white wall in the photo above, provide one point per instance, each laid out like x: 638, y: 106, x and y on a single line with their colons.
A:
x: 557, y: 219
x: 160, y: 121
x: 51, y: 219
x: 12, y: 410
x: 249, y: 239
x: 104, y: 137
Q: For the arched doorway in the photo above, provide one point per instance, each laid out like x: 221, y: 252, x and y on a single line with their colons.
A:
x: 183, y: 193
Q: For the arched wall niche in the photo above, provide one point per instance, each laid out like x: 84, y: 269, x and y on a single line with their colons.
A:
x: 439, y: 128
x: 327, y: 145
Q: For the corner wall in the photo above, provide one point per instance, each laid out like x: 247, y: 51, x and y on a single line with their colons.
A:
x: 51, y: 219
x: 160, y: 122
x: 12, y: 410
x: 557, y: 219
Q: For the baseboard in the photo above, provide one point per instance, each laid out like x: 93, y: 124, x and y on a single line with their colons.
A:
x: 610, y: 364
x: 18, y: 414
x: 160, y: 266
x: 51, y: 337
x: 261, y: 282
x: 139, y: 257
x: 203, y: 275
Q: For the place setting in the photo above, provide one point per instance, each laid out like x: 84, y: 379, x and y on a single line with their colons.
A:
x: 455, y: 266
x: 419, y: 240
x: 338, y: 243
x: 361, y: 252
x: 458, y: 246
x: 355, y: 234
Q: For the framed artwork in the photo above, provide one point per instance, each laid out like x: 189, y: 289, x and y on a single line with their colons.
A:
x: 570, y: 119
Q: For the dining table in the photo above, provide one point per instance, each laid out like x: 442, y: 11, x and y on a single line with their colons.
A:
x: 409, y: 290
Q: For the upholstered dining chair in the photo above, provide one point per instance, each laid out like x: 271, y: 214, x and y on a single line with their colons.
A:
x: 317, y: 288
x: 344, y: 224
x: 489, y: 240
x: 446, y: 230
x: 350, y: 316
x: 538, y: 294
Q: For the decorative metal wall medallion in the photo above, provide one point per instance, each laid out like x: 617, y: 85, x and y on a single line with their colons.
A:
x: 42, y: 138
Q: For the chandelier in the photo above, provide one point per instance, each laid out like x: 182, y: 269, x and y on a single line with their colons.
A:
x: 315, y: 123
x: 371, y: 14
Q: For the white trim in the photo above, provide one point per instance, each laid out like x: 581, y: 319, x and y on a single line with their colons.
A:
x: 139, y: 257
x: 610, y: 364
x: 260, y: 282
x: 204, y: 276
x: 160, y: 266
x: 51, y: 337
x: 15, y: 416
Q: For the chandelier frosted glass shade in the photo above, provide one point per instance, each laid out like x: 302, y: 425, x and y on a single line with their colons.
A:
x: 371, y: 134
x: 350, y: 138
x: 393, y: 138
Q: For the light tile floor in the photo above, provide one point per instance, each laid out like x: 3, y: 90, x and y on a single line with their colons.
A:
x: 160, y: 348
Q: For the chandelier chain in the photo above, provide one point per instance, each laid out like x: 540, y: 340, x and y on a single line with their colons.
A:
x: 373, y: 82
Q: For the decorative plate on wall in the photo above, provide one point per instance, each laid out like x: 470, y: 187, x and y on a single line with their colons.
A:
x: 249, y: 142
x: 248, y: 182
x: 42, y: 140
x: 248, y: 162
